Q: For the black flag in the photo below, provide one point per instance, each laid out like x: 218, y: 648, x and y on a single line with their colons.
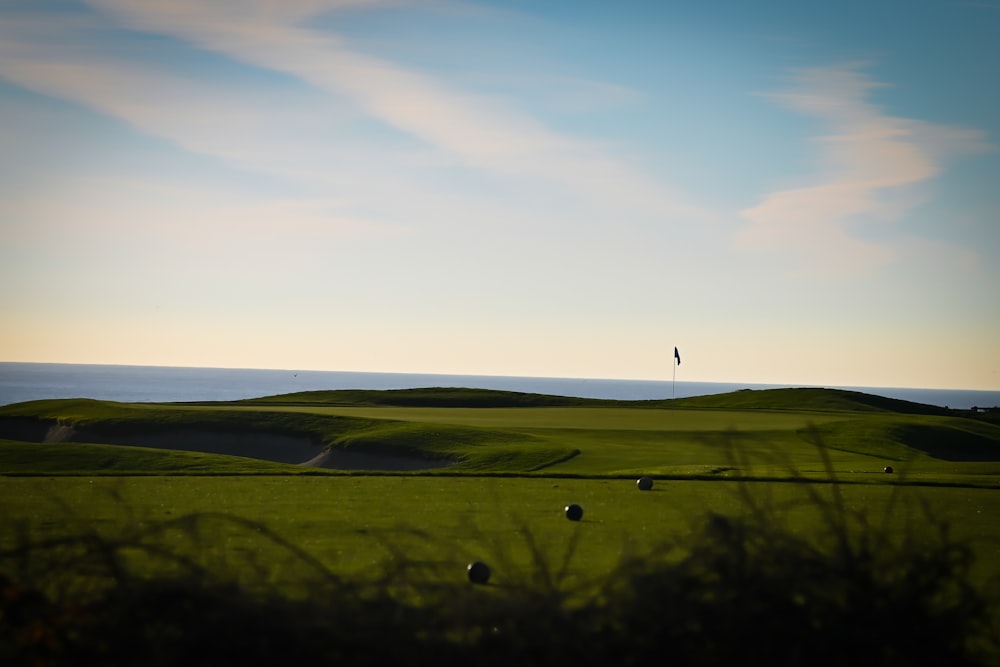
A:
x: 677, y: 356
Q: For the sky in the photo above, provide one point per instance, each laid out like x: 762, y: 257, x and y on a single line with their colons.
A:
x: 788, y: 192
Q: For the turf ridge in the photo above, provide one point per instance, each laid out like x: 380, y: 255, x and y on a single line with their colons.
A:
x: 107, y: 422
x: 475, y: 431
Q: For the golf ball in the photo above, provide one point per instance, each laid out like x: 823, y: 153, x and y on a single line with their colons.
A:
x: 644, y: 483
x: 479, y: 572
x: 574, y: 512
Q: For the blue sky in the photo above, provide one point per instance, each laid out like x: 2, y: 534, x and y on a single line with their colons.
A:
x: 792, y: 193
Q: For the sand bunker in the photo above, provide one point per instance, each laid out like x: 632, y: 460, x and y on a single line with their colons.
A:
x: 278, y: 447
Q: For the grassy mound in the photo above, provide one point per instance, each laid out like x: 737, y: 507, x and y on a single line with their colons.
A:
x: 803, y: 399
x: 432, y: 397
x: 808, y: 398
x: 484, y: 431
x: 239, y: 432
x: 472, y: 449
x: 947, y: 439
x: 24, y: 458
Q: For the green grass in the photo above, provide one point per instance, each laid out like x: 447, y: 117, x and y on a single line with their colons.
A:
x: 797, y: 399
x: 343, y: 569
x: 565, y: 449
x: 800, y: 470
x: 470, y: 449
x: 800, y: 399
x: 353, y: 523
x: 24, y: 458
x: 528, y: 433
x: 629, y: 440
x: 427, y: 397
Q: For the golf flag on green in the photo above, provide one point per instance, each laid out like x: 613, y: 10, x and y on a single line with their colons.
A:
x: 677, y: 356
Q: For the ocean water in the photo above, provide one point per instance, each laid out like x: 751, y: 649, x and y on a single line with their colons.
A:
x: 29, y: 381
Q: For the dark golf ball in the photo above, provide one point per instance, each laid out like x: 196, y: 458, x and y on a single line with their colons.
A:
x: 644, y: 483
x: 479, y: 572
x: 887, y: 469
x: 574, y: 512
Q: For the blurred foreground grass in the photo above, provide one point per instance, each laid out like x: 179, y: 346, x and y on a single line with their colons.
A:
x: 371, y: 570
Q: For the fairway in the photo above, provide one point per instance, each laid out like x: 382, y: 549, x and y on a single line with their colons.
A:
x: 354, y: 525
x: 627, y: 441
x: 589, y: 418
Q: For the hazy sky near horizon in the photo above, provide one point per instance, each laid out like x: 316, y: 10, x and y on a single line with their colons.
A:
x: 789, y: 192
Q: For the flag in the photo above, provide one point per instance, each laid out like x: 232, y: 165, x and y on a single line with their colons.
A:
x: 677, y: 356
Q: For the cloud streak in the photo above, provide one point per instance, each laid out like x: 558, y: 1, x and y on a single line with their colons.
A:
x: 869, y: 162
x: 452, y: 128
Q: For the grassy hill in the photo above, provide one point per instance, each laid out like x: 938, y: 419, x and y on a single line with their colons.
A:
x: 472, y: 431
x: 282, y: 436
x: 431, y: 397
x: 808, y: 398
x: 28, y: 458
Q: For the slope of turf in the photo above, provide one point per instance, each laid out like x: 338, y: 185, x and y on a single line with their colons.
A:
x: 230, y: 431
x: 805, y: 398
x: 437, y: 397
x: 25, y: 458
x: 808, y: 398
x: 485, y: 431
x: 906, y: 439
x: 697, y: 441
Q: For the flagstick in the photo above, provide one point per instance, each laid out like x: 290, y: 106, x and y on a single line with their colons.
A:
x: 673, y: 383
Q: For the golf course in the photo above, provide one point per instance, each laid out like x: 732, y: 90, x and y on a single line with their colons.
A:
x: 376, y: 496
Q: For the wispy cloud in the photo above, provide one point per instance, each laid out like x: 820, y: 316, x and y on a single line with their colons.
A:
x: 869, y: 161
x: 455, y: 128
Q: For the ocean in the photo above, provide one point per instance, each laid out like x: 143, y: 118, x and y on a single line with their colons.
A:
x: 31, y: 381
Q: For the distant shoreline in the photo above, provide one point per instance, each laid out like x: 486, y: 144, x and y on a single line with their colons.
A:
x: 25, y: 381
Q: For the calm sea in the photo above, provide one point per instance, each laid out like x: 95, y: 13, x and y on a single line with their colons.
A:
x: 27, y: 381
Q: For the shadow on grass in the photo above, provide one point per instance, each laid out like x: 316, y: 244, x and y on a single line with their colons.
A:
x: 744, y: 589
